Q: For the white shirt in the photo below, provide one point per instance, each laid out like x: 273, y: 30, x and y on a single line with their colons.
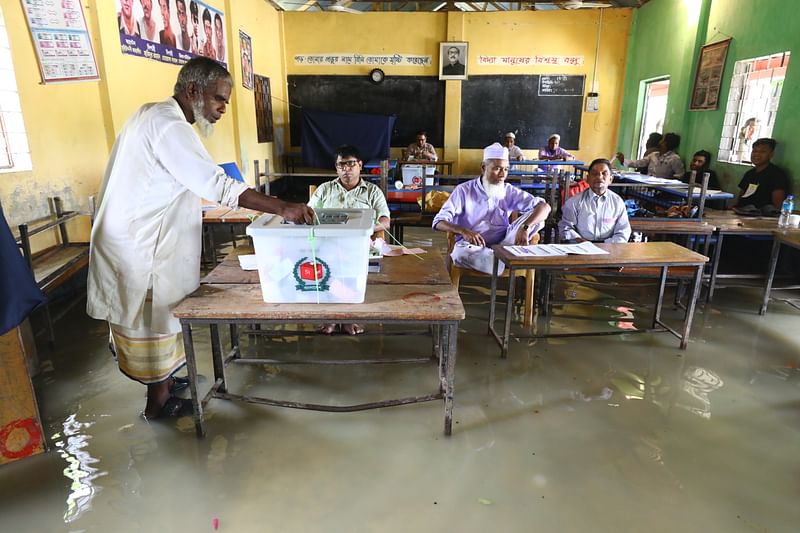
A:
x: 595, y: 218
x: 666, y: 165
x: 147, y: 232
x: 515, y: 153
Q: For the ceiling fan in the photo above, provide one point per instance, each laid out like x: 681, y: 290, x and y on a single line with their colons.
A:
x: 580, y: 4
x: 342, y: 6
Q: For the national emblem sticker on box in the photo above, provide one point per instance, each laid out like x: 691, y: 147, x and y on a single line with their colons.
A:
x: 325, y: 262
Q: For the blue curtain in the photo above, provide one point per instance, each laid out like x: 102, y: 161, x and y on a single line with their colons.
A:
x: 324, y: 131
x: 19, y: 294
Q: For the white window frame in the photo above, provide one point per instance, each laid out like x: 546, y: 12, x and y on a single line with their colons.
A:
x: 15, y: 153
x: 755, y: 93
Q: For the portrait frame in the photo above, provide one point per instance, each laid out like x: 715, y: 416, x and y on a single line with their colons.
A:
x: 246, y: 57
x: 458, y: 71
x: 708, y: 77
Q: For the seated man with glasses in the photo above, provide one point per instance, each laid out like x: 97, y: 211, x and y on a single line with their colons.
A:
x: 349, y: 191
x: 478, y: 213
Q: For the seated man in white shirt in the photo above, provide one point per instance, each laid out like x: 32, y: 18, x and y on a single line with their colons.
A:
x: 514, y: 151
x: 596, y: 214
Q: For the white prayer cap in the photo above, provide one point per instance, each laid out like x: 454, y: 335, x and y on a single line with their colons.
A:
x: 495, y: 151
x: 511, y: 134
x: 555, y: 136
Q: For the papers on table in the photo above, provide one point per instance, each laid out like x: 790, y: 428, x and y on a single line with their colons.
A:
x: 550, y: 250
x: 248, y: 262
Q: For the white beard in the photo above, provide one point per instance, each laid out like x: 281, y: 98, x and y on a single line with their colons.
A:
x: 205, y: 126
x: 494, y: 190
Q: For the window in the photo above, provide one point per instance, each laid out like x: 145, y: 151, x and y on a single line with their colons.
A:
x: 655, y: 109
x: 753, y: 100
x: 15, y: 155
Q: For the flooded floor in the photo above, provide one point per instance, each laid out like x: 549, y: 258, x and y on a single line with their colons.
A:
x: 616, y: 433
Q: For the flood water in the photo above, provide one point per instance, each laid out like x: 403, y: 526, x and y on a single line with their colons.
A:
x: 623, y: 433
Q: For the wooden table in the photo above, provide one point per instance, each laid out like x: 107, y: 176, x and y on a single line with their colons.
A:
x: 223, y: 215
x: 409, y: 292
x: 632, y: 254
x: 729, y: 223
x: 790, y: 237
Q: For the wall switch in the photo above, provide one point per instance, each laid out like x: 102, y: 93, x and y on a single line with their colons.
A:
x: 592, y: 102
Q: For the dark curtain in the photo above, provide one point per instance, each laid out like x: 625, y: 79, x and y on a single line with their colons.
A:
x: 19, y: 294
x: 324, y: 131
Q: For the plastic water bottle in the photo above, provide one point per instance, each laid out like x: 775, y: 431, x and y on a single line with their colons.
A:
x: 786, y: 212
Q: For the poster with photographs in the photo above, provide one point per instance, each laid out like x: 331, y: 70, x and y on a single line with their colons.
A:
x: 263, y: 95
x: 171, y: 31
x: 61, y: 39
x: 246, y: 49
x: 708, y: 78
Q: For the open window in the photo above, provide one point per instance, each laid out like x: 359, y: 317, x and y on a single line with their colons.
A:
x: 654, y: 111
x: 15, y: 154
x: 752, y: 105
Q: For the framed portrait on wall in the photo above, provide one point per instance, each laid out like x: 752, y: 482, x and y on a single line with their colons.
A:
x: 246, y: 50
x: 453, y: 60
x: 708, y: 78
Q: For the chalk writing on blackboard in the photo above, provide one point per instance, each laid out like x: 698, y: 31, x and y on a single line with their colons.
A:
x: 560, y: 85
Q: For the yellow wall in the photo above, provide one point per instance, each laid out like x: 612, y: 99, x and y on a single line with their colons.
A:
x: 66, y: 133
x: 523, y: 33
x: 71, y: 126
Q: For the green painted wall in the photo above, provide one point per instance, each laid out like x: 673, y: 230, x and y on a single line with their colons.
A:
x: 666, y: 36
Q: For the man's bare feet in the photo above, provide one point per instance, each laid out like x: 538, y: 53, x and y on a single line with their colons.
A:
x: 328, y: 329
x: 352, y: 329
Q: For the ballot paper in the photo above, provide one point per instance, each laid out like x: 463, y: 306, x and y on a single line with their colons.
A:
x: 551, y: 250
x: 248, y: 262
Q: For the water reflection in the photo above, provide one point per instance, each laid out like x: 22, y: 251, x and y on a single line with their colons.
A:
x: 698, y: 382
x: 71, y: 447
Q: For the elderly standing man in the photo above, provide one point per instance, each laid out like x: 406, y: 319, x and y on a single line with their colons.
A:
x: 145, y: 244
x: 597, y: 214
x: 514, y: 152
x: 478, y: 212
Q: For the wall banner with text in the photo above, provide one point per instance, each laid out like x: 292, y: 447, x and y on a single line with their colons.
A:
x: 171, y: 32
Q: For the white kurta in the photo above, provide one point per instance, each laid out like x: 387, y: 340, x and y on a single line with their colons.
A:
x: 147, y: 232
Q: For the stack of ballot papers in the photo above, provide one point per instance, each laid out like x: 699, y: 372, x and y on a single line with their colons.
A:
x: 549, y: 250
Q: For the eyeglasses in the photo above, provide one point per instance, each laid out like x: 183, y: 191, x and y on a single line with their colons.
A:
x: 347, y: 164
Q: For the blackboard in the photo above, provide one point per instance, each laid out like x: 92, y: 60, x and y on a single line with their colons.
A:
x: 494, y: 105
x: 418, y: 102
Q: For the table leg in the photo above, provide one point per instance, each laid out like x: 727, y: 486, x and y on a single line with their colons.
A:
x: 712, y: 281
x: 493, y: 293
x: 216, y: 356
x: 509, y: 309
x: 437, y: 341
x: 449, y: 354
x: 691, y: 304
x: 660, y: 299
x: 191, y: 366
x: 773, y: 263
x: 235, y: 339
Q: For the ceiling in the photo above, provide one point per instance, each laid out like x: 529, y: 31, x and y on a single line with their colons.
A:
x: 348, y: 6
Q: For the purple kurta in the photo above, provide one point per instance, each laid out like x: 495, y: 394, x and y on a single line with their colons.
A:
x: 470, y: 207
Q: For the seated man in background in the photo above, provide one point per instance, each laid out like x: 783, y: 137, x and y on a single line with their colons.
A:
x: 764, y: 184
x: 596, y: 214
x: 514, y: 152
x: 349, y: 191
x: 663, y: 163
x: 422, y: 149
x: 554, y: 152
x: 478, y: 212
x: 700, y: 164
x: 650, y: 146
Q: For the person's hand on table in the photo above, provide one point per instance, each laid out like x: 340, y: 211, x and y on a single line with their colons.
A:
x: 298, y: 213
x: 521, y: 238
x: 472, y: 237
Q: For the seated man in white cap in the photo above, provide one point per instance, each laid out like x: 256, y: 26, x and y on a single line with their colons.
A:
x: 478, y: 211
x: 514, y: 152
x: 553, y: 152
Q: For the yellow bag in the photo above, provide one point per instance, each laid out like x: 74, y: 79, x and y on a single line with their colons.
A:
x: 434, y: 200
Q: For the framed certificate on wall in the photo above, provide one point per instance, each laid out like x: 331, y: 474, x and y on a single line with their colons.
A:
x: 708, y: 78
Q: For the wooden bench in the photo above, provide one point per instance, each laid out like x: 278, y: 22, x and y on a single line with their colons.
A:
x: 55, y: 264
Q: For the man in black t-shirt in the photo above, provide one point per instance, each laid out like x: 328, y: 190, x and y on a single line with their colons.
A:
x: 765, y: 184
